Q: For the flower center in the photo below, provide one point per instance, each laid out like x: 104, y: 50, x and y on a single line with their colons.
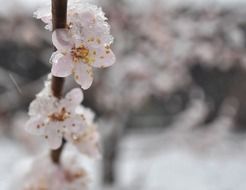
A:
x: 59, y: 116
x: 71, y: 177
x: 81, y: 53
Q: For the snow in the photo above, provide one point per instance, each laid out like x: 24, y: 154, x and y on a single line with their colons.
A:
x: 11, y: 154
x: 177, y: 168
x: 183, y: 157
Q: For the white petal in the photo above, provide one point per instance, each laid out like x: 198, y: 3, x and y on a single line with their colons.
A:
x: 54, y: 134
x: 35, y: 125
x: 89, y: 143
x: 74, y: 125
x: 87, y: 113
x: 88, y: 18
x: 83, y: 75
x: 42, y: 106
x: 97, y: 28
x: 61, y: 64
x: 75, y: 96
x: 104, y: 57
x: 61, y: 40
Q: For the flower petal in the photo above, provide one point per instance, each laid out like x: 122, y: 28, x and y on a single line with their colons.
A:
x: 88, y: 143
x: 42, y: 106
x: 87, y: 113
x: 74, y: 125
x: 83, y: 75
x: 61, y: 64
x: 75, y: 96
x: 104, y: 57
x: 61, y: 40
x: 54, y: 134
x: 35, y: 125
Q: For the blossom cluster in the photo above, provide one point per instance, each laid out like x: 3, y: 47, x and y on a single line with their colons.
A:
x: 44, y: 175
x: 55, y: 119
x: 83, y: 44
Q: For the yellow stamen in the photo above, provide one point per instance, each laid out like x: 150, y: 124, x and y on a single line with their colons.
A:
x: 83, y: 54
x: 59, y: 116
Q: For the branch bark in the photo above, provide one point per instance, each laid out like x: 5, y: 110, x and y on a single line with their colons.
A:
x: 59, y: 20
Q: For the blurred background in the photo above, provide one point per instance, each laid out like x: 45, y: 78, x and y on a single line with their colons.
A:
x: 172, y: 110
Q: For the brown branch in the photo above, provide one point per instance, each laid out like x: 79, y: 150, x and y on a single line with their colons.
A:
x: 59, y: 20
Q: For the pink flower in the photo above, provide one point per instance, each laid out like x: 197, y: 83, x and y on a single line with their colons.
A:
x: 84, y: 44
x: 86, y: 141
x: 45, y: 175
x: 77, y: 57
x: 53, y: 118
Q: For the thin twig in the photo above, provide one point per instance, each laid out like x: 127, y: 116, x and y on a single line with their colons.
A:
x: 59, y: 20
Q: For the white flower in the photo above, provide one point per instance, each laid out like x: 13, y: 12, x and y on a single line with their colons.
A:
x: 84, y: 44
x: 88, y: 140
x: 77, y: 57
x: 53, y: 118
x: 45, y: 175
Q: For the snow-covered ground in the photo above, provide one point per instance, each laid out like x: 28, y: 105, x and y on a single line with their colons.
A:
x: 146, y: 167
x: 11, y: 154
x: 184, y: 157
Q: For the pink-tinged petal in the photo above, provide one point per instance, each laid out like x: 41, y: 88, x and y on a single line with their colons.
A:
x: 88, y: 143
x: 104, y: 57
x: 75, y: 96
x: 41, y: 106
x: 35, y: 125
x: 101, y: 34
x: 61, y: 64
x: 72, y: 100
x: 62, y: 40
x: 74, y: 126
x: 89, y: 19
x: 87, y: 113
x: 54, y: 134
x: 83, y: 75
